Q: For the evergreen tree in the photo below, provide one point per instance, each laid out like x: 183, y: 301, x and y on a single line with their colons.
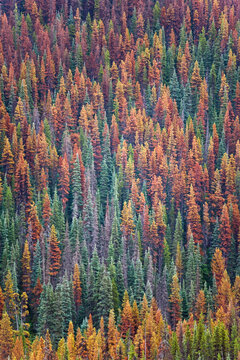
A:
x: 66, y: 305
x: 105, y: 297
x: 104, y: 183
x: 175, y: 88
x: 138, y: 282
x: 178, y: 233
x: 76, y: 188
x: 191, y: 265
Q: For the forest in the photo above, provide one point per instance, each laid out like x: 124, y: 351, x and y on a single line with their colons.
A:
x: 119, y: 180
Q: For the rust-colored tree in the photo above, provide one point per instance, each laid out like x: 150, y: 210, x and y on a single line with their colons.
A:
x: 113, y: 336
x: 46, y: 210
x: 194, y: 217
x: 54, y: 253
x: 7, y: 161
x: 126, y: 320
x: 77, y: 291
x: 218, y: 266
x: 200, y: 305
x: 225, y: 231
x: 175, y: 301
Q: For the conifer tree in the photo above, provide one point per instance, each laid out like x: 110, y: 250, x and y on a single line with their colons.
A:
x: 26, y: 269
x: 175, y: 301
x: 54, y: 253
x: 66, y: 304
x: 113, y: 336
x: 215, y: 241
x: 9, y: 295
x: 77, y: 286
x: 191, y: 267
x: 138, y: 282
x: 7, y: 161
x: 178, y: 233
x: 225, y: 231
x: 6, y: 337
x: 64, y: 180
x: 1, y: 303
x: 37, y: 264
x: 105, y: 297
x: 46, y: 211
x: 218, y: 266
x: 76, y: 188
x: 126, y: 320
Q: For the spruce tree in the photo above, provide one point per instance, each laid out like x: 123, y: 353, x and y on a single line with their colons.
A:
x: 178, y: 234
x: 175, y: 88
x: 76, y: 188
x: 104, y: 184
x: 138, y: 282
x: 105, y: 297
x: 191, y: 265
x: 215, y: 240
x: 37, y: 264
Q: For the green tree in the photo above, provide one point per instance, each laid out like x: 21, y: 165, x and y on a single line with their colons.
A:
x: 37, y: 264
x: 138, y: 282
x: 105, y: 297
x: 76, y: 188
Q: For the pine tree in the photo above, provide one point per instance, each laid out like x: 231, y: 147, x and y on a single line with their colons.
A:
x: 66, y: 303
x: 126, y: 320
x: 7, y: 161
x: 76, y: 188
x: 64, y: 181
x: 37, y: 264
x: 200, y: 304
x: 184, y: 302
x: 138, y: 282
x: 77, y: 287
x: 225, y: 231
x: 175, y: 301
x: 105, y: 297
x: 34, y: 226
x: 215, y: 241
x: 224, y: 292
x: 46, y: 211
x: 178, y: 262
x: 178, y: 234
x: 175, y: 88
x: 71, y: 342
x: 1, y: 302
x: 88, y: 219
x: 9, y: 295
x: 22, y: 184
x: 194, y: 218
x: 113, y: 336
x: 115, y: 296
x: 26, y: 269
x: 127, y: 223
x: 54, y: 253
x: 50, y: 313
x: 218, y: 266
x: 191, y: 267
x: 6, y: 337
x: 104, y: 183
x: 18, y: 350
